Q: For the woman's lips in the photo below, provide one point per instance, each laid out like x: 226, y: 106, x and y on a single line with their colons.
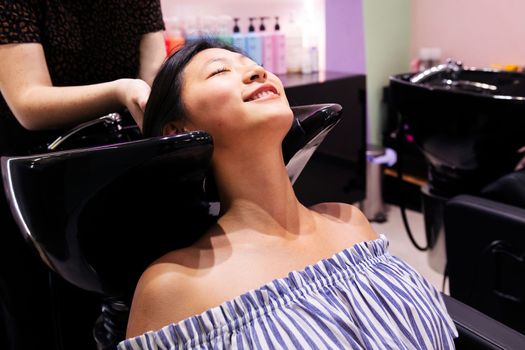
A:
x: 264, y: 92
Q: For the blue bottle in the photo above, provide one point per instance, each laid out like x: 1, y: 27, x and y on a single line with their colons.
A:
x: 254, y: 44
x: 239, y: 39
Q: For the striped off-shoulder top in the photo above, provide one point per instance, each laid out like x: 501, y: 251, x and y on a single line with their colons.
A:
x: 361, y: 298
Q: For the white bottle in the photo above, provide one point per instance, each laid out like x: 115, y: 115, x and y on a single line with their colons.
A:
x: 310, y: 42
x: 314, y: 58
x: 225, y: 33
x: 306, y: 61
x: 192, y: 28
x: 313, y: 52
x: 294, y: 47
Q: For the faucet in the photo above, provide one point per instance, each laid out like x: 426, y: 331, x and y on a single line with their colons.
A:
x: 109, y: 119
x: 450, y: 66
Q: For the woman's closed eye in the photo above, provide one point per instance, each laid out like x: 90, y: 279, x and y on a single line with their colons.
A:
x: 219, y: 71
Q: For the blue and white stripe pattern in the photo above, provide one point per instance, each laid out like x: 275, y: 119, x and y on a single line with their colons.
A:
x: 361, y: 298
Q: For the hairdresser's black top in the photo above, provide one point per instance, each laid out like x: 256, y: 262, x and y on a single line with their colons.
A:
x: 85, y: 42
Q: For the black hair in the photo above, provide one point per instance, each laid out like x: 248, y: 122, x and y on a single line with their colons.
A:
x: 165, y: 102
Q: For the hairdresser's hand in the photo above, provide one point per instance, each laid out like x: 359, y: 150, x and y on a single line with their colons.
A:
x: 134, y: 94
x: 521, y: 163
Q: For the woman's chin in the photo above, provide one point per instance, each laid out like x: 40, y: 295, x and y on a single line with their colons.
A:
x: 277, y: 110
x: 279, y: 117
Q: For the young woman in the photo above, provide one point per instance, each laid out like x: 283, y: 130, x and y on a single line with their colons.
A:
x: 270, y: 273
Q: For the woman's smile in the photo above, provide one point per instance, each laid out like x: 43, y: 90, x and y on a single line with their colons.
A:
x: 264, y: 92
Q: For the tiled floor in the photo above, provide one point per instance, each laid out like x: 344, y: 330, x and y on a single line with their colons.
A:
x: 401, y: 246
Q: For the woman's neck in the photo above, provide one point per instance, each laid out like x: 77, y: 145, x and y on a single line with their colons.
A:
x: 256, y: 193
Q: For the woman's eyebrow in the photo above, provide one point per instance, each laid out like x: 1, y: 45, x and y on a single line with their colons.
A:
x: 239, y: 57
x: 242, y: 57
x: 216, y: 59
x: 226, y: 60
x: 204, y: 69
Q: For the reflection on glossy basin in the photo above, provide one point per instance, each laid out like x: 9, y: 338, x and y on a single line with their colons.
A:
x: 453, y: 77
x: 468, y: 122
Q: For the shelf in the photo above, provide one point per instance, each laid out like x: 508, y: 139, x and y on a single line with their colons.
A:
x: 298, y: 79
x: 406, y: 178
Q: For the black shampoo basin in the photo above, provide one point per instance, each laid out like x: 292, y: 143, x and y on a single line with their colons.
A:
x: 468, y: 122
x: 99, y: 215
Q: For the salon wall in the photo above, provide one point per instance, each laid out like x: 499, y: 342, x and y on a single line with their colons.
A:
x: 345, y: 46
x: 477, y: 32
x: 387, y: 52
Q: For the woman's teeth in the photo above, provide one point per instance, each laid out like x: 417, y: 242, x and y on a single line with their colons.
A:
x: 261, y: 95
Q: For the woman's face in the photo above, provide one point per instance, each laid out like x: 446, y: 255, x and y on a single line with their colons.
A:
x: 226, y: 93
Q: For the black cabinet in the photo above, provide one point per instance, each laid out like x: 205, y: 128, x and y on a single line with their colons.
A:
x: 337, y: 170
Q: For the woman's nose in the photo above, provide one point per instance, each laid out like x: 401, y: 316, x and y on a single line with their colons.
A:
x: 255, y: 73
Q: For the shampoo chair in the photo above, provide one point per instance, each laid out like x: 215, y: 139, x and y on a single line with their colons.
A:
x: 98, y: 214
x: 485, y: 237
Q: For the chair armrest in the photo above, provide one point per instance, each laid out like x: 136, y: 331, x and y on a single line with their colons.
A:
x: 474, y: 205
x: 478, y: 331
x: 473, y: 223
x: 485, y: 243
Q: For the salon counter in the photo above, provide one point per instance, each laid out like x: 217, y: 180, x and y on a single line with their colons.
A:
x: 337, y: 171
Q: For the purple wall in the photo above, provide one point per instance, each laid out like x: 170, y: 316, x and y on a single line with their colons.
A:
x: 345, y: 40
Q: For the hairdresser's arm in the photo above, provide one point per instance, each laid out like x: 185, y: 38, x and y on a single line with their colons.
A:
x: 152, y: 54
x: 26, y: 85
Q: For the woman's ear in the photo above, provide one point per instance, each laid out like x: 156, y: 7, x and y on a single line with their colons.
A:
x: 173, y: 128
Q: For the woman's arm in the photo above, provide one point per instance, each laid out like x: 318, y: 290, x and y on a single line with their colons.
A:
x: 26, y: 85
x: 165, y: 293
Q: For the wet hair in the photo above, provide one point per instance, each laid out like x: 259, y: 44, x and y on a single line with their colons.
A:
x: 165, y: 102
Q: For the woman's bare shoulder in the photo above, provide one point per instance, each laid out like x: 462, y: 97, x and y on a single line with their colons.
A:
x: 341, y: 211
x: 346, y: 214
x: 156, y: 302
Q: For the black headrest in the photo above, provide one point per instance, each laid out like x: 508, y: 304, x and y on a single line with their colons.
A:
x: 508, y: 189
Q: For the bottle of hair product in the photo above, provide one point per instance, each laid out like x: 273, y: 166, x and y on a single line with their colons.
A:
x: 312, y: 51
x: 306, y: 61
x: 254, y: 45
x: 192, y: 28
x: 279, y: 49
x: 314, y: 58
x: 294, y: 47
x: 208, y: 27
x: 173, y: 36
x: 239, y: 39
x: 224, y: 29
x: 267, y: 47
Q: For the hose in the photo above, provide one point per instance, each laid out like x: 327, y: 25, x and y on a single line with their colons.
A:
x: 402, y: 205
x: 110, y: 327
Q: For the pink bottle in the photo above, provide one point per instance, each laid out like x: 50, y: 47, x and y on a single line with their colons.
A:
x: 267, y: 47
x: 279, y: 49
